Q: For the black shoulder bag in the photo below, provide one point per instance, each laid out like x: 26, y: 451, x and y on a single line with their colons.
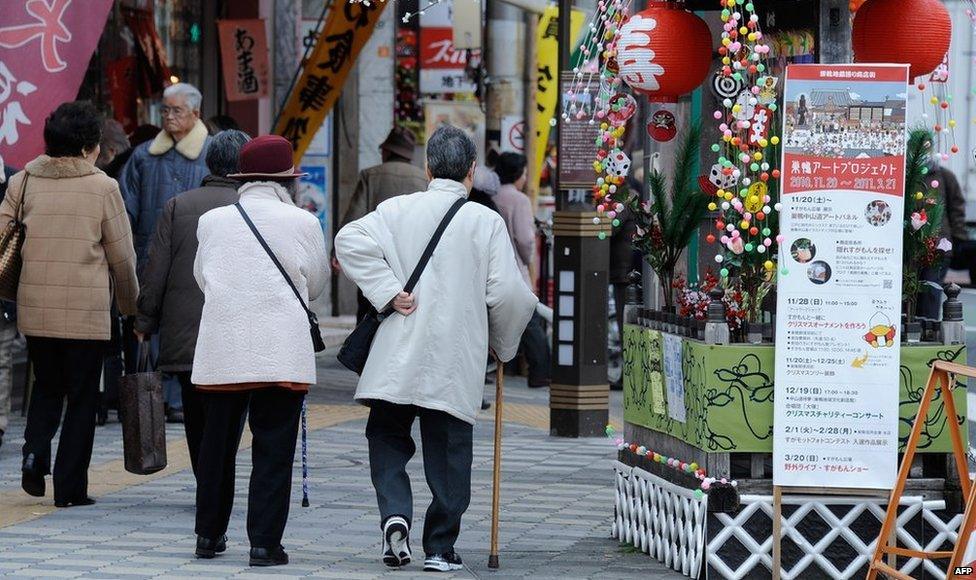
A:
x: 355, y: 350
x: 313, y: 321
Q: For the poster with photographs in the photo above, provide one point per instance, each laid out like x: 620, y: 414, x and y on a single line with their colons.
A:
x: 839, y: 286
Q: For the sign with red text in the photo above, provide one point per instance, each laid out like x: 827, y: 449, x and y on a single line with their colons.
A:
x: 441, y: 64
x: 45, y: 46
x: 244, y: 56
x: 839, y: 300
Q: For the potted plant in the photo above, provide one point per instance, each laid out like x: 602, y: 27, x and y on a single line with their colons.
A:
x: 671, y: 215
x: 923, y: 245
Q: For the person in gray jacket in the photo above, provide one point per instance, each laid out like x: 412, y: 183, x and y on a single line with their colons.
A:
x: 170, y: 301
x: 157, y: 171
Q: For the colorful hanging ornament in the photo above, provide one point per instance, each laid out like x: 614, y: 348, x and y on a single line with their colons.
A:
x: 746, y: 151
x: 662, y: 126
x: 914, y: 32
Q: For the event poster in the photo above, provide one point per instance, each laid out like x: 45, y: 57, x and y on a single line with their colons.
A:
x: 839, y: 289
x: 674, y: 377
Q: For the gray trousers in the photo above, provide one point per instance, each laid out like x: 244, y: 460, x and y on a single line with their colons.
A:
x: 8, y: 333
x: 447, y: 447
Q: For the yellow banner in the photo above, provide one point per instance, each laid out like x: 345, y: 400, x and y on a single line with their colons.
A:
x: 547, y: 74
x: 347, y: 29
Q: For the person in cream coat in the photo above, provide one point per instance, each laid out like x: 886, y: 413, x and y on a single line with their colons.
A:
x: 428, y: 359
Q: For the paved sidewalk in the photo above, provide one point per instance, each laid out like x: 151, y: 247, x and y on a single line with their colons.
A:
x: 557, y: 504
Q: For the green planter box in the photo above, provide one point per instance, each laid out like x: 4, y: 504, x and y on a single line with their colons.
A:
x: 728, y: 393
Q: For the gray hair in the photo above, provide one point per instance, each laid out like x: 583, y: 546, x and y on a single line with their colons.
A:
x: 450, y: 153
x: 486, y: 180
x: 224, y: 151
x: 114, y: 141
x: 187, y: 91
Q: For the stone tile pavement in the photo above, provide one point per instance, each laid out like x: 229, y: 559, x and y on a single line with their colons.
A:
x: 556, y: 507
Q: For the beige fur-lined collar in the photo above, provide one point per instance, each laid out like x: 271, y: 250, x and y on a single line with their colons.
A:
x: 60, y: 167
x: 190, y: 146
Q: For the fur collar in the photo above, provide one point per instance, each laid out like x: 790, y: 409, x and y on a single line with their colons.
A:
x: 190, y: 146
x: 265, y: 190
x: 60, y: 167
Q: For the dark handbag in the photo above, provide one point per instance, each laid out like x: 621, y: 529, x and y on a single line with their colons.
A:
x: 313, y: 322
x: 355, y: 349
x: 11, y: 244
x: 143, y: 418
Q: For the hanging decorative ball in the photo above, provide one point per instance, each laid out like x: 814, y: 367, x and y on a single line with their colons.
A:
x: 886, y: 30
x: 664, y: 52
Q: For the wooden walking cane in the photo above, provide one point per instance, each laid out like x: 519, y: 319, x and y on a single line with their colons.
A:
x: 496, y: 474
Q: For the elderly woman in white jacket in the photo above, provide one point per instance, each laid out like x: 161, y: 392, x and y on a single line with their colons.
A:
x: 428, y: 360
x: 254, y: 347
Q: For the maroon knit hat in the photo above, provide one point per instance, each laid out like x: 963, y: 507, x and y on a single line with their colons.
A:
x: 267, y: 156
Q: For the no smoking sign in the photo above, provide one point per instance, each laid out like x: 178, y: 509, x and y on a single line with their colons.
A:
x: 513, y: 134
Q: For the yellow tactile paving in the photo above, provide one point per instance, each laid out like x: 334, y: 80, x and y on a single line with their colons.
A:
x: 111, y: 477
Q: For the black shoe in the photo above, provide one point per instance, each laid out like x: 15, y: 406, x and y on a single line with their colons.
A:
x: 396, y: 542
x: 448, y: 562
x: 174, y: 416
x: 485, y: 405
x: 75, y: 502
x: 208, y: 548
x: 617, y: 385
x: 32, y: 480
x: 268, y: 556
x: 1, y: 438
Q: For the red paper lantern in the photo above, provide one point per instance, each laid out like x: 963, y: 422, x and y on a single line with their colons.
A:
x: 664, y: 51
x: 913, y: 32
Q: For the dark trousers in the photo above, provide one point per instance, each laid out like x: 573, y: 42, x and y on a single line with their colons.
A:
x: 194, y: 416
x: 447, y: 451
x: 64, y: 370
x: 273, y: 417
x: 535, y: 345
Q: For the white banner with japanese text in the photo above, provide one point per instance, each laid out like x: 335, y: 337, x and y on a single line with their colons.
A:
x: 839, y: 288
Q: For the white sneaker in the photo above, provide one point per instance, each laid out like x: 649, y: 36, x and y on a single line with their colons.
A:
x: 448, y: 562
x: 396, y: 542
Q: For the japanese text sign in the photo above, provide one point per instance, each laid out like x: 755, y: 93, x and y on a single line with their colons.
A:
x: 45, y: 46
x: 547, y: 77
x: 244, y: 56
x: 442, y: 66
x: 346, y: 31
x: 838, y: 321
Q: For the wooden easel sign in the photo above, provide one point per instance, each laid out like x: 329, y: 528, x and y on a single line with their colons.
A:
x: 942, y: 379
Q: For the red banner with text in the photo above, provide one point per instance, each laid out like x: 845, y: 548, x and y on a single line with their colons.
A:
x: 45, y: 46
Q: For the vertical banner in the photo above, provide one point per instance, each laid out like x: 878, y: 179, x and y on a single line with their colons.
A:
x: 244, y: 58
x: 839, y: 290
x: 45, y: 46
x: 347, y: 29
x: 547, y: 75
x: 123, y: 77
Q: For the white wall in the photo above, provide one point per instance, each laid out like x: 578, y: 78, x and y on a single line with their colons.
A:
x: 376, y: 88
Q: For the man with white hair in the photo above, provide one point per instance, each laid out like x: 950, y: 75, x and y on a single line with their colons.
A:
x: 161, y: 169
